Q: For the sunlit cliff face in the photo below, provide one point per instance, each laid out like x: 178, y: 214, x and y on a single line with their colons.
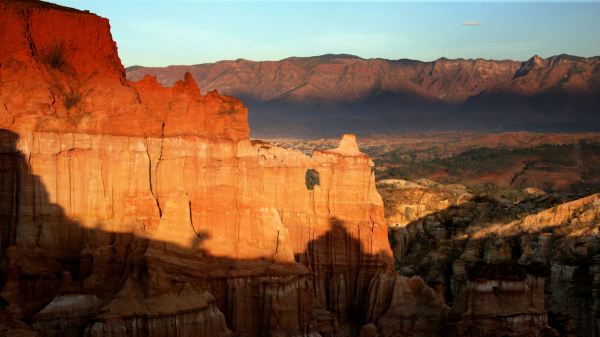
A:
x: 198, y: 193
x: 128, y: 203
x: 148, y: 147
x: 129, y: 208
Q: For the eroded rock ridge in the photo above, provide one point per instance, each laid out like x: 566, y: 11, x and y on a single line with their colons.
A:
x: 131, y: 209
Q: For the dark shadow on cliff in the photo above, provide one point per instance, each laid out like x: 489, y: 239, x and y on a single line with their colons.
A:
x: 10, y: 161
x: 35, y: 266
x: 341, y: 272
x: 46, y: 255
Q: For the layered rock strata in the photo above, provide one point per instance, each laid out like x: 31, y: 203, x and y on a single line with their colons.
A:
x: 130, y: 209
x: 509, y: 269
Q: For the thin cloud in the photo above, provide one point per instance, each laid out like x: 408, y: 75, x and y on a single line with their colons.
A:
x: 471, y: 23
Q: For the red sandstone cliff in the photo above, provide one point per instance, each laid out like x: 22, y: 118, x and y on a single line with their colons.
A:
x: 132, y: 209
x: 61, y: 73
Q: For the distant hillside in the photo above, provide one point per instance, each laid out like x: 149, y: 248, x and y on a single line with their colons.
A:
x: 330, y: 94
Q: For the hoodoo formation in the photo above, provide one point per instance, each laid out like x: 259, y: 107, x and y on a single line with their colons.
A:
x: 529, y: 268
x: 131, y: 209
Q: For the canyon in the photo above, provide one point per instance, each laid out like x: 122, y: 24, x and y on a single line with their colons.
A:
x: 328, y: 94
x: 131, y: 208
x: 500, y: 265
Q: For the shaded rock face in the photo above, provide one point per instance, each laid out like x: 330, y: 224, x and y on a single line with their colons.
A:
x: 404, y: 307
x: 191, y: 246
x: 508, y: 269
x: 329, y: 94
x: 496, y: 307
x: 130, y: 209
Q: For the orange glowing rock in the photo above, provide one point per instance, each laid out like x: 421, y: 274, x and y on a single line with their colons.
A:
x: 153, y: 202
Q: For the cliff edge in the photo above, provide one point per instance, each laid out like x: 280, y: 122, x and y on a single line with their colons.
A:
x: 129, y: 208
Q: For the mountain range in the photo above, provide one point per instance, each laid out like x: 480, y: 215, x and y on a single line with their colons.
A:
x: 325, y: 95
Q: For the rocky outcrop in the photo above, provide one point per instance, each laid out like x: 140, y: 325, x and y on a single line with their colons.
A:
x: 54, y: 81
x: 130, y: 209
x: 330, y: 94
x: 407, y: 201
x: 403, y: 306
x: 508, y: 269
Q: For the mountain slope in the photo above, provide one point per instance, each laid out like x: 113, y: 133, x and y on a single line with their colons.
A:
x: 319, y: 96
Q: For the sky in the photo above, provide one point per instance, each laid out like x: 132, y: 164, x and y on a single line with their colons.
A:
x: 160, y: 33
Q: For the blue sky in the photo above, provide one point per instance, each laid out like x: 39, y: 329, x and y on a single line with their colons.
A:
x: 159, y: 33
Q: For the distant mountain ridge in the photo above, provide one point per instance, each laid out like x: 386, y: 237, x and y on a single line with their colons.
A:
x: 322, y: 95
